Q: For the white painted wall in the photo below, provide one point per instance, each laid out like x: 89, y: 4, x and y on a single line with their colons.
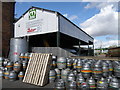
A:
x: 45, y: 22
x: 67, y: 28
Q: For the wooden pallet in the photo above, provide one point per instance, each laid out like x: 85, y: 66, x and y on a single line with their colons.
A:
x: 38, y: 69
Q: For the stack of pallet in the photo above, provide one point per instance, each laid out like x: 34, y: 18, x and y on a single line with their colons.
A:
x: 38, y: 69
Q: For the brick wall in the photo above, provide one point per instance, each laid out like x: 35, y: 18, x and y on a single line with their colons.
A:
x: 7, y: 26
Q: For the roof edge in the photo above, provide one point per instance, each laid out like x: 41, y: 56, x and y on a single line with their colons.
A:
x: 54, y: 12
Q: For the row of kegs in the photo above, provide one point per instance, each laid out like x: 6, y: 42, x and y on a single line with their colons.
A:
x: 84, y: 73
x: 14, y: 70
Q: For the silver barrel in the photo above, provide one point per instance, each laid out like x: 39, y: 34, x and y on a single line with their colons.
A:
x: 5, y: 62
x: 60, y: 84
x: 84, y: 86
x: 86, y: 70
x: 69, y: 63
x: 61, y: 62
x: 9, y: 66
x: 105, y: 68
x: 17, y: 46
x: 58, y: 73
x: 91, y: 83
x: 102, y: 83
x: 64, y: 74
x: 6, y: 74
x: 110, y: 67
x: 97, y: 70
x: 75, y: 64
x: 21, y: 75
x: 17, y: 66
x: 79, y: 80
x: 1, y: 74
x: 79, y: 65
x: 72, y: 85
x: 52, y: 76
x: 116, y: 68
x: 71, y: 76
x: 12, y: 76
x: 114, y: 83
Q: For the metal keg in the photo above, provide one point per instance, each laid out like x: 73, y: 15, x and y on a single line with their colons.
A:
x: 5, y: 62
x: 72, y: 85
x: 75, y: 72
x: 58, y: 73
x: 64, y: 74
x: 69, y: 63
x: 91, y: 83
x: 9, y: 66
x: 110, y: 67
x: 102, y: 83
x: 24, y: 65
x: 1, y: 61
x: 17, y: 66
x: 17, y: 46
x: 26, y: 57
x: 21, y: 56
x: 53, y: 65
x: 21, y: 75
x: 86, y: 70
x: 79, y: 80
x: 6, y: 74
x: 71, y: 76
x: 1, y: 74
x: 97, y: 70
x: 117, y: 70
x: 12, y: 76
x: 109, y: 78
x: 52, y: 76
x: 75, y: 64
x: 114, y: 83
x: 54, y: 59
x: 105, y: 68
x: 79, y: 74
x: 84, y: 86
x: 79, y: 65
x: 60, y: 84
x: 61, y: 62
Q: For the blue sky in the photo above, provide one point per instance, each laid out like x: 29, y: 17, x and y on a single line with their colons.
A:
x: 89, y: 16
x: 70, y: 8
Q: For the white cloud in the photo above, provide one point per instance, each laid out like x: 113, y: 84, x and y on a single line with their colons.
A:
x: 73, y: 17
x: 66, y: 15
x: 103, y: 23
x: 100, y: 5
x: 105, y: 44
x: 100, y: 0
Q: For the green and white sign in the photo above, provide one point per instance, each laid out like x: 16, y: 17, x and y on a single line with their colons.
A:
x: 32, y: 13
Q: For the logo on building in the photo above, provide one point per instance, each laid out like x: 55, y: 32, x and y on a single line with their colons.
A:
x: 32, y: 13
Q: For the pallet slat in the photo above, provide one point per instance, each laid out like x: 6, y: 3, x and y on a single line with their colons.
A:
x: 37, y: 69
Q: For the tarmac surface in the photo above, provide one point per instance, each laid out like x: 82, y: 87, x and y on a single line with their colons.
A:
x: 20, y: 84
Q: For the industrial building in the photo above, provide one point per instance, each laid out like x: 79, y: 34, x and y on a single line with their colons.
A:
x: 48, y: 31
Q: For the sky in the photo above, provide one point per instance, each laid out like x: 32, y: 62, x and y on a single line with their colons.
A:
x: 98, y: 19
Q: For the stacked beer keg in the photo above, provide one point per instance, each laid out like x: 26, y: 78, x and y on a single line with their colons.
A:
x: 84, y: 74
x: 13, y: 70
